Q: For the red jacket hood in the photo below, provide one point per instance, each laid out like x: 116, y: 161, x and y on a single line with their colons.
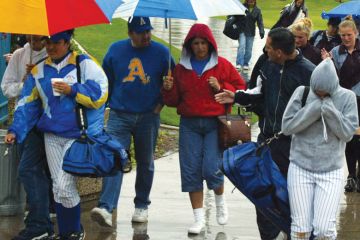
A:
x: 201, y: 31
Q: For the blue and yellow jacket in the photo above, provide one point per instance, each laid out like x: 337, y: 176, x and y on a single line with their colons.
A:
x: 37, y: 106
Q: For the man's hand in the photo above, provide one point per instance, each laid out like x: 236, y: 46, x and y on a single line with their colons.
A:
x: 62, y: 87
x: 158, y: 108
x: 10, y: 138
x: 214, y: 84
x: 225, y: 97
x: 168, y: 82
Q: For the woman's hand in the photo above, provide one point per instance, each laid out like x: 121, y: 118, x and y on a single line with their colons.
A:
x: 62, y: 87
x: 325, y: 54
x: 10, y: 138
x: 168, y: 82
x: 225, y: 97
x: 322, y: 94
x: 214, y: 84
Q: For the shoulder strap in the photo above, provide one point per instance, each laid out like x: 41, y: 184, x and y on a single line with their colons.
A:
x: 305, y: 95
x: 39, y: 61
x: 80, y: 110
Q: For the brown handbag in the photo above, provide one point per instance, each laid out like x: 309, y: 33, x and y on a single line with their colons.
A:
x: 233, y: 129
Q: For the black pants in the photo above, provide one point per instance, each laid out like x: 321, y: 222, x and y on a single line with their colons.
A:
x: 352, y: 153
x: 280, y: 152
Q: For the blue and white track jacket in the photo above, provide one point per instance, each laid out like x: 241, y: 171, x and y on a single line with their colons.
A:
x: 37, y: 106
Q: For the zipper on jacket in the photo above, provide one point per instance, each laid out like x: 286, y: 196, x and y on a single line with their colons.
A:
x: 277, y: 103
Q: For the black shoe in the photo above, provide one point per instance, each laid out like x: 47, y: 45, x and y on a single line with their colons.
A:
x: 30, y: 235
x: 53, y: 237
x: 76, y: 235
x: 358, y: 185
x: 351, y: 184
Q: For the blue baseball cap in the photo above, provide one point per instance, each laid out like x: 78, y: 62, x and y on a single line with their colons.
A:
x: 66, y: 35
x: 139, y: 24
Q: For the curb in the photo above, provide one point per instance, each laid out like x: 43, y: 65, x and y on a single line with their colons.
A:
x: 165, y: 126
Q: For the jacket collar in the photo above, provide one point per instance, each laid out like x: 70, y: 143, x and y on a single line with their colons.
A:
x: 70, y: 59
x: 186, y: 63
x: 343, y: 50
x: 298, y: 57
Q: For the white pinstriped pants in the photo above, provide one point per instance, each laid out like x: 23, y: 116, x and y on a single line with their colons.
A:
x: 314, y: 201
x: 64, y: 184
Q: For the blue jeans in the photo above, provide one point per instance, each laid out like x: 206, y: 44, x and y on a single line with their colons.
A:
x: 244, y: 50
x: 32, y: 174
x: 199, y: 153
x: 143, y: 127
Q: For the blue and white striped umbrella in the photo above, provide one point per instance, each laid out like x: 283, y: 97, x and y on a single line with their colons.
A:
x: 344, y: 9
x: 183, y: 9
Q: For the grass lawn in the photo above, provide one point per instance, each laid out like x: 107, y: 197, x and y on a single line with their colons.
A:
x: 271, y: 10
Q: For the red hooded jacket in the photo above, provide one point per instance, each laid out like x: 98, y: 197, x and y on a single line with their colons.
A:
x: 192, y: 94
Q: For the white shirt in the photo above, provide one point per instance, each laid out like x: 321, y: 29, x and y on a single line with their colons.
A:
x: 12, y: 84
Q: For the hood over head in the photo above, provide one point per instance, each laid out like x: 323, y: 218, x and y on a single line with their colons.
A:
x: 199, y: 30
x: 324, y: 77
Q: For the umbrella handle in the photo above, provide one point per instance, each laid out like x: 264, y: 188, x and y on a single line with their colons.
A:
x: 169, y: 71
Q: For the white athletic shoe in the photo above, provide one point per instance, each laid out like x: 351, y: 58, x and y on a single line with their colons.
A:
x: 222, y: 214
x: 197, y: 227
x: 140, y: 215
x: 101, y: 216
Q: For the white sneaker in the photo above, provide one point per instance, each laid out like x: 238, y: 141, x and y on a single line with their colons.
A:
x: 140, y: 215
x: 101, y: 216
x: 238, y: 68
x: 246, y: 68
x: 222, y: 214
x: 197, y: 227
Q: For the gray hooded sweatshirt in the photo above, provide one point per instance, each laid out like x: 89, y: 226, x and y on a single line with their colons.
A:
x: 322, y: 127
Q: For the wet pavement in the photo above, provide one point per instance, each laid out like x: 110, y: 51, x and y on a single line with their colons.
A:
x: 170, y: 212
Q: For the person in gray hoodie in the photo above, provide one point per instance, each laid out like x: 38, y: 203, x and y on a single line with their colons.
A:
x: 320, y: 130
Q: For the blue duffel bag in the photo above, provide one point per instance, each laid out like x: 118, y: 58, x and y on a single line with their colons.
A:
x: 95, y: 156
x: 250, y: 168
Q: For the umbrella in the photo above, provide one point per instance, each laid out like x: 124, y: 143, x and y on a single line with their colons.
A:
x: 344, y: 9
x: 46, y: 17
x: 183, y: 9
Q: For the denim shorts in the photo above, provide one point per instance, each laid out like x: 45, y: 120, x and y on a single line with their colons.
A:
x: 199, y: 153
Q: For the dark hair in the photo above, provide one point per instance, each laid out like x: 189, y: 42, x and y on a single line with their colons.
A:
x: 188, y: 43
x: 334, y: 21
x: 283, y: 39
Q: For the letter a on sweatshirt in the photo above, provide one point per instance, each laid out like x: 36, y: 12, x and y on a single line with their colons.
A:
x: 136, y: 69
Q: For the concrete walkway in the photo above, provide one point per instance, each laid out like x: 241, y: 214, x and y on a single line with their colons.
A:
x: 170, y: 213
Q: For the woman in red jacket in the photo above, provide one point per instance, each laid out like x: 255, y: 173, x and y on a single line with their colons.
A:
x: 200, y: 74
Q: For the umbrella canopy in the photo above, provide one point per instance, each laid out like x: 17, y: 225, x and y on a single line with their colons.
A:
x: 344, y: 9
x: 46, y: 17
x: 184, y: 9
